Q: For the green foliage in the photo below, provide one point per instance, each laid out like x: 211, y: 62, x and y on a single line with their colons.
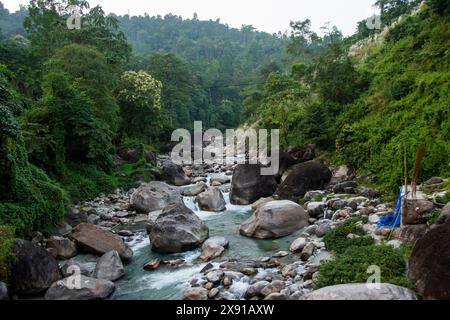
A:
x: 89, y: 70
x: 139, y: 96
x: 433, y: 216
x: 64, y: 129
x: 84, y: 182
x: 337, y: 241
x: 351, y: 266
x: 47, y: 30
x: 407, y: 104
x: 6, y: 241
x: 28, y: 198
x: 445, y: 199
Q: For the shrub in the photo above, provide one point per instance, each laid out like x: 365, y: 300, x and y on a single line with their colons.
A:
x: 336, y: 240
x: 351, y: 266
x: 6, y: 242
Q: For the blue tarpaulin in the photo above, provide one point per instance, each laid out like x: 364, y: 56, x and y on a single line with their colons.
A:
x: 393, y: 220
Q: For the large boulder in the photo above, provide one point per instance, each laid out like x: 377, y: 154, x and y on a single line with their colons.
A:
x: 286, y: 161
x: 211, y: 200
x: 64, y: 248
x: 177, y: 229
x: 155, y: 196
x: 361, y: 291
x: 304, y: 177
x: 275, y: 219
x: 80, y: 288
x: 109, y: 267
x: 32, y: 269
x: 248, y: 185
x: 174, y: 174
x: 429, y: 263
x: 445, y: 215
x: 93, y: 239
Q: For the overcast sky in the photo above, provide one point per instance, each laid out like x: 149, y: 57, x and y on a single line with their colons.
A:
x: 266, y: 15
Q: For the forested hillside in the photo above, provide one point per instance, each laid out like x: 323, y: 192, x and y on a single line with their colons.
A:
x: 364, y: 101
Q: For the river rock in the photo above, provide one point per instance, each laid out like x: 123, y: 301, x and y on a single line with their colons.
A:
x: 196, y: 293
x: 298, y: 245
x: 215, y: 276
x: 260, y: 202
x: 32, y: 269
x: 109, y: 267
x: 220, y: 180
x: 211, y: 200
x: 3, y: 292
x: 311, y: 175
x: 307, y: 251
x: 255, y: 289
x: 277, y: 296
x: 248, y: 185
x: 177, y: 229
x: 64, y: 248
x: 429, y: 263
x: 84, y: 288
x: 174, y: 174
x: 213, y: 293
x: 93, y: 239
x: 74, y: 217
x: 343, y: 173
x: 153, y: 265
x: 361, y: 291
x: 275, y: 219
x: 213, y: 248
x: 315, y: 209
x: 273, y: 287
x: 155, y: 196
x: 194, y: 190
x: 72, y: 267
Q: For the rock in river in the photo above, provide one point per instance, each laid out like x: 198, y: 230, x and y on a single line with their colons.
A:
x: 154, y: 196
x: 304, y: 177
x: 80, y: 288
x: 211, y: 200
x: 65, y: 248
x: 93, y: 239
x: 174, y: 174
x: 275, y: 219
x: 32, y: 269
x: 197, y: 293
x: 177, y: 229
x: 248, y: 185
x: 109, y: 267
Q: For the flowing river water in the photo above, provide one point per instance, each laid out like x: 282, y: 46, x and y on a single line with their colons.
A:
x: 169, y: 283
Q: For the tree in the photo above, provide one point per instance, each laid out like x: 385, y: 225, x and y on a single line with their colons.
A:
x: 47, y: 30
x: 89, y: 69
x: 181, y: 94
x: 139, y: 96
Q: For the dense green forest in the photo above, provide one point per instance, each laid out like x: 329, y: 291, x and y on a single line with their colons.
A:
x: 368, y: 96
x: 71, y: 99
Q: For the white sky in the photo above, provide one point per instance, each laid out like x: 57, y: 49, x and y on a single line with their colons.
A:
x: 265, y: 15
